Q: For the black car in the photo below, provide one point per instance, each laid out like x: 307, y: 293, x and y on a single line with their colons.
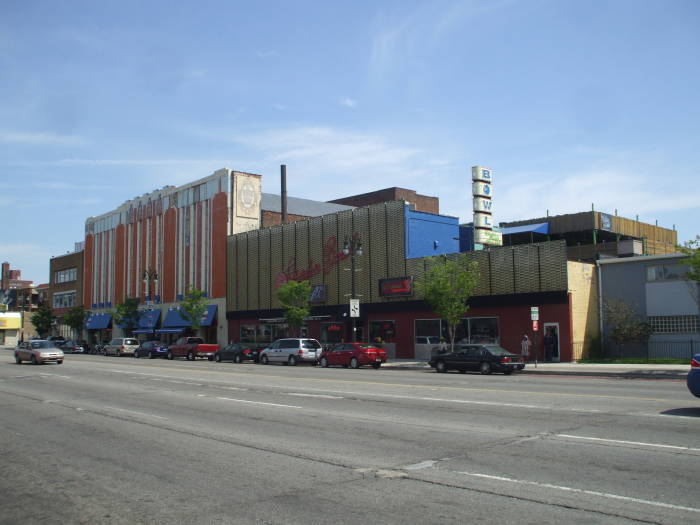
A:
x: 71, y: 347
x: 151, y: 349
x: 477, y: 358
x: 237, y: 353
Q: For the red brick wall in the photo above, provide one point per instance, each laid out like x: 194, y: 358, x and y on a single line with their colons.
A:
x: 421, y: 202
x: 271, y: 218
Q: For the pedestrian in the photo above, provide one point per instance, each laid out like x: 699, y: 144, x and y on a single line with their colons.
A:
x: 525, y: 348
x: 443, y: 345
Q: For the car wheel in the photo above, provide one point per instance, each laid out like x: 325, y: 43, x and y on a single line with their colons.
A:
x: 34, y: 361
x: 18, y: 359
x: 441, y: 367
x: 169, y: 355
x: 217, y: 357
x: 136, y: 355
x: 292, y: 361
x: 485, y: 368
x: 324, y: 362
x: 354, y: 363
x: 59, y: 362
x: 190, y: 356
x: 376, y: 365
x: 237, y: 358
x: 264, y: 360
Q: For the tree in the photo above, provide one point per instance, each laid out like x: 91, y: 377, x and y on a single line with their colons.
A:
x: 446, y: 286
x: 42, y: 320
x: 75, y: 318
x: 692, y: 250
x: 126, y: 314
x: 193, y: 306
x: 294, y: 297
x: 624, y: 323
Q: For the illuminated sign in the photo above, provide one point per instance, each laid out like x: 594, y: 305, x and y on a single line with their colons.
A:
x: 396, y: 287
x: 483, y: 201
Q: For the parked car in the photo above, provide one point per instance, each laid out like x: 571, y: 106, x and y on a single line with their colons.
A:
x: 353, y: 355
x: 58, y: 340
x: 237, y: 353
x: 73, y: 347
x: 481, y: 358
x: 38, y: 352
x: 151, y: 349
x: 120, y: 346
x: 192, y: 348
x: 694, y: 376
x: 291, y: 351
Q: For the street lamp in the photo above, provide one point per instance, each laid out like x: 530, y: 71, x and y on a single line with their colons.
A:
x: 353, y: 247
x: 150, y: 276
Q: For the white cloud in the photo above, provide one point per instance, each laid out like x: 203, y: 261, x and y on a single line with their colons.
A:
x: 348, y: 102
x: 266, y: 53
x: 39, y: 138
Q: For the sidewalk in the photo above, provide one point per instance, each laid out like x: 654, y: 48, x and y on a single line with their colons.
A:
x: 631, y: 371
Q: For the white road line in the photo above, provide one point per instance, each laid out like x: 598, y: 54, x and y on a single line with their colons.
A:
x: 55, y: 375
x: 256, y: 402
x: 582, y: 491
x: 619, y: 441
x: 420, y: 466
x: 135, y: 412
x: 233, y: 388
x: 322, y: 396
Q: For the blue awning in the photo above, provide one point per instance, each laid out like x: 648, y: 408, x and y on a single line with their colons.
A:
x: 541, y: 227
x: 142, y: 331
x: 173, y: 319
x: 98, y: 321
x: 169, y: 330
x: 148, y: 320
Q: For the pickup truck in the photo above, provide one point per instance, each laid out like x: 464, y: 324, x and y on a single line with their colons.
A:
x: 191, y: 348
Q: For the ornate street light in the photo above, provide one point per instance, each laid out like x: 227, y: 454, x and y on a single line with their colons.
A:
x: 353, y: 247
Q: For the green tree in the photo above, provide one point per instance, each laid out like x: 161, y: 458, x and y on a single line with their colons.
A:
x: 42, y: 320
x: 692, y: 250
x: 75, y: 318
x: 193, y: 306
x: 625, y: 325
x: 127, y: 314
x: 446, y: 286
x: 294, y: 297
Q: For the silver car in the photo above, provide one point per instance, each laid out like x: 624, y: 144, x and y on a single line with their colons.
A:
x: 291, y: 351
x: 38, y: 352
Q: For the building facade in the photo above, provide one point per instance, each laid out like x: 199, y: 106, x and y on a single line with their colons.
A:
x: 65, y: 290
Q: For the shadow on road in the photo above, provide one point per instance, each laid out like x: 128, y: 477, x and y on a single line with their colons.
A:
x: 685, y: 412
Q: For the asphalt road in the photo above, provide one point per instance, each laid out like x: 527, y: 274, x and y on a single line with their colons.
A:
x: 121, y: 440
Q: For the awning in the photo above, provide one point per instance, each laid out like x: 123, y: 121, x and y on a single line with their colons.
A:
x: 541, y: 227
x: 168, y: 330
x: 174, y: 319
x: 98, y: 321
x: 147, y: 321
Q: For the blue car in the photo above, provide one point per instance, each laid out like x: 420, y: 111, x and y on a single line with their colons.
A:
x: 694, y: 376
x: 151, y: 349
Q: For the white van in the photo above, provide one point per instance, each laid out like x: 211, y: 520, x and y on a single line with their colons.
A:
x: 121, y: 346
x: 291, y: 351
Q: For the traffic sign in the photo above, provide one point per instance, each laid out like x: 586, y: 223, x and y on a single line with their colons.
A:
x: 535, y: 326
x: 354, y: 308
x: 535, y: 313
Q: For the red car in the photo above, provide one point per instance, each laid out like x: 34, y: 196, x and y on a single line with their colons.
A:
x: 353, y: 355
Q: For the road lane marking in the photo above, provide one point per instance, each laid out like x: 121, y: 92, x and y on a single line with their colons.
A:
x: 256, y: 402
x: 135, y: 412
x: 581, y: 491
x: 622, y: 442
x: 322, y: 396
x: 420, y: 466
x: 55, y: 375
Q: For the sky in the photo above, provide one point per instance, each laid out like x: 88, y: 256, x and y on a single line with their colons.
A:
x: 572, y: 104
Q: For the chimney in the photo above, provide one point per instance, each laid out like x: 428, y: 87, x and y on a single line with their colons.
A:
x: 283, y: 175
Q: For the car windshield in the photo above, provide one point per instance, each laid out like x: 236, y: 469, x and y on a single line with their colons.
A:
x: 497, y: 350
x: 131, y: 342
x: 43, y: 344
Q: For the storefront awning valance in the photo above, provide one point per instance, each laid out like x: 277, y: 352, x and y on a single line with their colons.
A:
x: 169, y: 330
x: 98, y: 321
x: 174, y: 319
x: 148, y: 320
x: 10, y: 321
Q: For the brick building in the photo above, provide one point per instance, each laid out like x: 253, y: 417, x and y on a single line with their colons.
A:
x: 65, y: 288
x: 414, y: 200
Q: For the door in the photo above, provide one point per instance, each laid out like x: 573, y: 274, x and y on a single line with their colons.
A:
x: 551, y: 338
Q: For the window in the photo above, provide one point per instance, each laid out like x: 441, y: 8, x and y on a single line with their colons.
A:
x: 674, y: 324
x: 65, y: 276
x: 64, y: 299
x: 482, y: 330
x: 666, y: 272
x: 428, y: 331
x: 386, y: 330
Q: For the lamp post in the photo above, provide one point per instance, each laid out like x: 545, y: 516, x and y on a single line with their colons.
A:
x: 353, y: 247
x: 150, y: 276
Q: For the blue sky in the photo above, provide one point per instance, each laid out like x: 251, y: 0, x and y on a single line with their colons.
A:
x: 569, y: 102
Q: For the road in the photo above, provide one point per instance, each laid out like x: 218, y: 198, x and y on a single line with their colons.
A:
x: 121, y: 440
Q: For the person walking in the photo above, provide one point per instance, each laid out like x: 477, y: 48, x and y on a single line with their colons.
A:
x: 525, y: 348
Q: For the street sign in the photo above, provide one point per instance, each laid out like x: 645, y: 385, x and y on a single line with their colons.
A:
x: 534, y: 313
x: 354, y: 308
x: 535, y: 326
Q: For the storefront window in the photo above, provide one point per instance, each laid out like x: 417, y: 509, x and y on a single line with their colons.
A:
x: 386, y: 330
x: 248, y: 333
x: 332, y: 332
x: 483, y: 330
x: 428, y: 328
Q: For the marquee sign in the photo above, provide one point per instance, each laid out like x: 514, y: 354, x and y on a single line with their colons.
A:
x: 396, y: 287
x: 482, y: 203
